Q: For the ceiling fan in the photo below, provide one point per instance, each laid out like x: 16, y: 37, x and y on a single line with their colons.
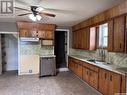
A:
x: 35, y: 13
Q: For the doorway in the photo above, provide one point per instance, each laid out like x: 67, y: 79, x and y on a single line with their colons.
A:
x: 9, y: 52
x: 60, y: 49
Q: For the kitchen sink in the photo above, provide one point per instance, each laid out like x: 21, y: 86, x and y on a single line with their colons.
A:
x: 95, y: 61
x: 91, y: 60
x: 98, y: 62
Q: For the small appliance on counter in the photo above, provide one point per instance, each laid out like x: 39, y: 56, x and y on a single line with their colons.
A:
x: 47, y: 65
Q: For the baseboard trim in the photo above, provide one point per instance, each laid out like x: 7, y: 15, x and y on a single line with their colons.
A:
x: 62, y: 69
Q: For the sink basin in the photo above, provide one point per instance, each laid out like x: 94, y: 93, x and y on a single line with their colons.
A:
x: 95, y: 61
x: 122, y: 69
x: 98, y: 62
x: 91, y: 60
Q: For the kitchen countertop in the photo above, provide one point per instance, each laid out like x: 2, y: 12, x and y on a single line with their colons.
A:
x: 46, y: 56
x: 110, y: 67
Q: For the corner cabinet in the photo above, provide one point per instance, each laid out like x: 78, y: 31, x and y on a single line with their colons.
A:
x: 84, y: 39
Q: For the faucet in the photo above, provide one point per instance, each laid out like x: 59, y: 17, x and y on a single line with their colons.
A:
x: 102, y: 54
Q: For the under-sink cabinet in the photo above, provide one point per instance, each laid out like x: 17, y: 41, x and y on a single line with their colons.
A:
x: 105, y: 81
x: 109, y: 82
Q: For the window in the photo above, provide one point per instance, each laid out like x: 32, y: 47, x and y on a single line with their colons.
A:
x: 103, y: 35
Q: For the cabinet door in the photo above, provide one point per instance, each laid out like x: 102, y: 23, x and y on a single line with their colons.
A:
x: 49, y: 35
x: 84, y: 39
x: 70, y: 63
x: 86, y: 74
x: 119, y: 27
x: 24, y: 33
x: 74, y: 39
x: 110, y: 35
x: 79, y: 71
x: 103, y: 81
x: 34, y: 33
x: 126, y: 35
x: 41, y: 34
x: 114, y: 83
x: 75, y: 68
x: 93, y: 79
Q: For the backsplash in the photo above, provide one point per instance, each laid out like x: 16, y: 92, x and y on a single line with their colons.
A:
x: 36, y: 49
x: 115, y: 58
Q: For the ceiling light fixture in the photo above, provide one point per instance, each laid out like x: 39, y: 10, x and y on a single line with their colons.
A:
x: 39, y: 9
x: 35, y: 17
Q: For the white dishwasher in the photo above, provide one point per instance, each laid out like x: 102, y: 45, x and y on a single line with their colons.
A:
x: 47, y: 66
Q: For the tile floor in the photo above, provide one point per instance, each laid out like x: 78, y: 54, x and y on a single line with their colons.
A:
x: 65, y: 83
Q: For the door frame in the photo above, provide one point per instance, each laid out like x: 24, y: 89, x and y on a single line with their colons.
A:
x: 66, y: 30
x: 13, y: 33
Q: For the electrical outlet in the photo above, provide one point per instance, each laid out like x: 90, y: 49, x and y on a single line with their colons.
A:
x: 30, y: 71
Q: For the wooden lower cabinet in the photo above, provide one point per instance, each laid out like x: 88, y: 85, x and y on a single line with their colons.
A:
x: 103, y: 84
x: 109, y: 82
x: 85, y: 74
x: 105, y: 81
x: 91, y: 77
x: 79, y: 71
x: 76, y: 67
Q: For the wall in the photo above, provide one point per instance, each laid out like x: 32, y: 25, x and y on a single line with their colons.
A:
x: 11, y: 47
x: 0, y: 58
x: 8, y: 27
x: 29, y: 57
x: 119, y: 59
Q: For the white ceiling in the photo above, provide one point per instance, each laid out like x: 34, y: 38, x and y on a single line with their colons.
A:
x: 72, y: 11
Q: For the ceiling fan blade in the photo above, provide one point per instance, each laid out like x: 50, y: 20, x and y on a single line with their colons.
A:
x: 22, y: 9
x: 57, y: 10
x: 24, y: 14
x: 47, y: 14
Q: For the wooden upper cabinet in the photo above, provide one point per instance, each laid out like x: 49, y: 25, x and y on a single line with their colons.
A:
x: 116, y: 34
x: 49, y: 27
x: 24, y: 33
x: 119, y: 34
x: 110, y: 35
x: 28, y: 29
x: 38, y: 26
x: 49, y: 35
x: 84, y: 39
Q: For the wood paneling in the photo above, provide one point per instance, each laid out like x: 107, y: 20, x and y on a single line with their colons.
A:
x: 104, y: 16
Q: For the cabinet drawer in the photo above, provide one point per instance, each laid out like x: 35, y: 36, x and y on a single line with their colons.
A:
x: 87, y: 65
x: 78, y: 62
